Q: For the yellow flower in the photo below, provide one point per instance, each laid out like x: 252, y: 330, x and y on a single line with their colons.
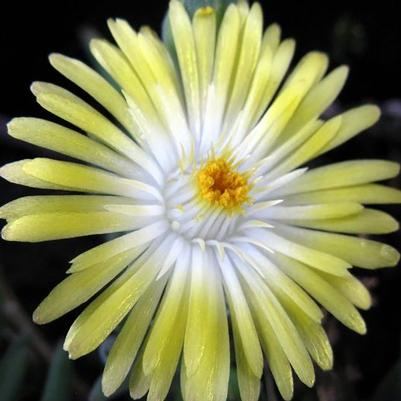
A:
x: 199, y: 164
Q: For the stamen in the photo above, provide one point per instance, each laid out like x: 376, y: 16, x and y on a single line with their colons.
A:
x: 221, y: 185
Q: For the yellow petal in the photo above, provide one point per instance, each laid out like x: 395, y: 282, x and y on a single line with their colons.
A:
x: 118, y: 245
x: 204, y: 27
x: 248, y: 341
x: 68, y: 142
x: 318, y: 260
x: 324, y: 293
x: 60, y: 203
x: 69, y: 107
x: 164, y: 345
x: 282, y: 285
x: 318, y: 99
x: 59, y: 225
x: 202, y: 312
x: 94, y: 84
x: 354, y: 121
x: 129, y: 340
x: 311, y: 212
x: 359, y: 252
x: 88, y: 179
x: 155, y: 77
x: 248, y: 382
x: 138, y: 382
x: 308, y: 149
x: 343, y: 174
x: 114, y: 62
x: 186, y: 51
x: 209, y: 382
x: 101, y: 317
x: 79, y: 287
x: 271, y: 37
x: 266, y: 305
x: 352, y: 289
x: 311, y: 67
x: 315, y: 340
x: 281, y: 61
x: 277, y: 359
x: 247, y: 59
x: 165, y: 324
x: 226, y: 51
x: 368, y: 221
x: 15, y: 173
x: 364, y: 194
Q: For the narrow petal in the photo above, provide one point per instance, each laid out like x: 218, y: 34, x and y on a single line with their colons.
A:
x: 163, y: 348
x: 15, y: 172
x: 204, y: 27
x: 282, y: 285
x: 313, y: 258
x: 308, y: 150
x: 111, y: 248
x: 94, y: 84
x: 102, y: 316
x: 247, y: 59
x: 59, y: 225
x: 209, y: 382
x: 202, y: 312
x: 78, y: 177
x: 155, y: 77
x: 281, y: 61
x: 69, y: 107
x: 81, y: 286
x: 354, y: 121
x: 315, y: 340
x: 311, y: 212
x: 272, y: 311
x: 226, y: 52
x: 114, y: 62
x: 343, y: 174
x: 324, y: 293
x: 271, y: 37
x: 278, y: 361
x: 248, y: 338
x: 60, y: 203
x: 359, y: 252
x: 68, y: 142
x: 248, y: 382
x: 365, y: 194
x: 352, y: 289
x: 318, y: 99
x: 368, y: 221
x: 129, y: 340
x: 139, y: 383
x: 186, y: 51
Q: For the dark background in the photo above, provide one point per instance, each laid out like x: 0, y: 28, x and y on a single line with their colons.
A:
x: 366, y: 36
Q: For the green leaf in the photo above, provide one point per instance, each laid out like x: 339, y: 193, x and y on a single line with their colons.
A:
x: 390, y: 387
x: 13, y: 367
x: 59, y: 377
x: 219, y: 5
x: 233, y: 389
x: 167, y: 36
x: 191, y: 6
x: 96, y: 393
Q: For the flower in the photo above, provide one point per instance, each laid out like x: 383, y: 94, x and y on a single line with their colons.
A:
x: 197, y: 159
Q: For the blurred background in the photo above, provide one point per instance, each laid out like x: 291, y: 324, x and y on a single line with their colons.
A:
x: 364, y: 35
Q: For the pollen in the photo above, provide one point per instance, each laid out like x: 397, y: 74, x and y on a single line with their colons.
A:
x: 221, y: 185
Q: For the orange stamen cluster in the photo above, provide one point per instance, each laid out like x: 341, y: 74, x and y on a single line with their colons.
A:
x: 221, y: 185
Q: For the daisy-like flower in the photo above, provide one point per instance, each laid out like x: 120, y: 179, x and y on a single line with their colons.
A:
x: 198, y: 160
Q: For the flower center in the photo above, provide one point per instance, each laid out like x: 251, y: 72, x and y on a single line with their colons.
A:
x: 221, y: 185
